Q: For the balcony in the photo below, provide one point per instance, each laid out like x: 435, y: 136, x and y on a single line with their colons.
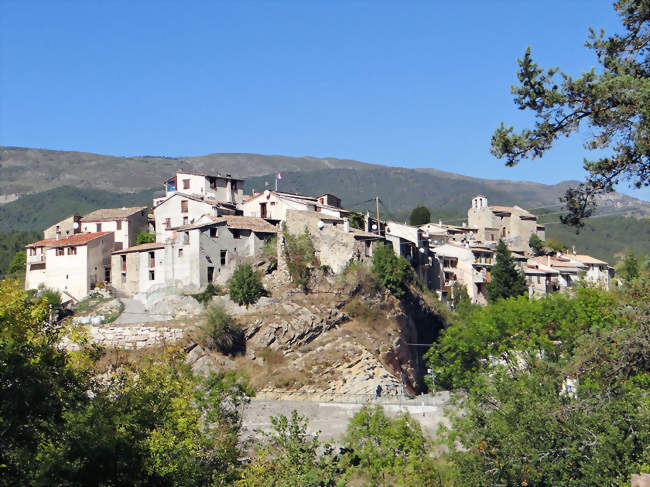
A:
x: 35, y: 259
x: 479, y: 276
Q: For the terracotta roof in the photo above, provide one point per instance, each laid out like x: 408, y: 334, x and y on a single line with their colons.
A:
x: 76, y: 239
x: 141, y: 248
x: 587, y: 259
x: 107, y: 214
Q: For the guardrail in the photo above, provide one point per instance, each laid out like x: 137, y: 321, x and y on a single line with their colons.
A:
x: 401, y: 399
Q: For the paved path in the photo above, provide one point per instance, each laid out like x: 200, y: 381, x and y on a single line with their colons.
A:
x: 134, y: 313
x: 331, y: 418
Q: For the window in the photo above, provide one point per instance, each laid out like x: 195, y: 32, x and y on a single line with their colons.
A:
x: 180, y: 252
x: 186, y: 237
x: 152, y: 260
x: 123, y: 261
x: 168, y: 223
x: 186, y: 184
x: 123, y: 277
x: 235, y: 233
x: 99, y: 227
x: 72, y: 250
x: 223, y: 257
x: 539, y: 279
x: 152, y: 275
x: 32, y: 251
x: 184, y: 207
x: 60, y: 251
x: 185, y: 220
x: 234, y: 185
x: 213, y: 232
x: 118, y: 224
x: 107, y: 274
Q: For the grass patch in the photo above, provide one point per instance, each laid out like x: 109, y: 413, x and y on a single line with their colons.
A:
x: 361, y: 309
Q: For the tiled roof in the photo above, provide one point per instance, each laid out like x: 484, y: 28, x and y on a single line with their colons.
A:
x: 246, y: 223
x: 107, y: 214
x: 76, y: 239
x: 141, y: 248
x: 587, y: 259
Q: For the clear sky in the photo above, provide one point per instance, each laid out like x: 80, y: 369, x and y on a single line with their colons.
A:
x: 413, y: 84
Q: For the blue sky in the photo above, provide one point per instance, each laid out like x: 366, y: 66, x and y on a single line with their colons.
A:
x: 413, y: 84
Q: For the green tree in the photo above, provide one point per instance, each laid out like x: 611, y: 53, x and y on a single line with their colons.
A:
x: 245, y: 285
x: 357, y: 220
x: 220, y: 331
x: 144, y: 237
x: 389, y: 451
x: 394, y: 273
x: 290, y: 457
x: 630, y: 267
x: 17, y: 264
x: 419, y: 216
x: 506, y: 281
x: 299, y: 255
x: 536, y: 244
x: 610, y: 103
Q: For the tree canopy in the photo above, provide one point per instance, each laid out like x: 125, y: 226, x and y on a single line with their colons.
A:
x: 419, y: 216
x: 506, y: 281
x: 613, y: 103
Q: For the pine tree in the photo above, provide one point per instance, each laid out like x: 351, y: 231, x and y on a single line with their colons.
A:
x: 506, y: 281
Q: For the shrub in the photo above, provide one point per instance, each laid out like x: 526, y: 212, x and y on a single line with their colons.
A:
x: 358, y: 308
x: 219, y: 331
x: 205, y: 296
x: 299, y: 254
x: 144, y: 237
x: 536, y: 244
x: 357, y: 277
x: 395, y: 273
x: 419, y: 216
x: 270, y: 249
x: 245, y: 285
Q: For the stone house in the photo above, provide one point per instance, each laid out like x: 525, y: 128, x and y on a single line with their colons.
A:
x: 462, y: 265
x: 138, y: 269
x: 180, y: 209
x: 569, y: 271
x: 65, y: 228
x: 511, y: 223
x: 596, y: 271
x: 274, y: 205
x: 335, y: 242
x: 193, y: 255
x: 73, y: 265
x: 125, y: 223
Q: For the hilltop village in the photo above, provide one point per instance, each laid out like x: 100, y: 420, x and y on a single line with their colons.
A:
x: 205, y: 226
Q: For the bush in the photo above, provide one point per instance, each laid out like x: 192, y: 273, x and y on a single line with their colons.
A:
x: 358, y: 308
x: 270, y: 249
x: 219, y: 331
x: 358, y: 278
x: 205, y: 296
x: 419, y: 216
x: 395, y: 273
x: 144, y: 237
x: 245, y: 285
x: 536, y: 244
x: 299, y: 254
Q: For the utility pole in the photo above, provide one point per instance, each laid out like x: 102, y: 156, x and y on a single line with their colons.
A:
x: 377, y: 207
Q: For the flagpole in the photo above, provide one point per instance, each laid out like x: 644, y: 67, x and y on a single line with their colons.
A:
x: 276, y: 183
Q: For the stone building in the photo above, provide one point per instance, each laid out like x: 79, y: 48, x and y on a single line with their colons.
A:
x: 511, y: 223
x: 466, y: 265
x: 73, y: 265
x: 223, y: 189
x: 274, y: 205
x: 65, y: 228
x: 192, y: 256
x: 335, y: 242
x: 125, y: 223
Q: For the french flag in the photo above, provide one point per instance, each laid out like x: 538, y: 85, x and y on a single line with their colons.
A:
x: 279, y: 176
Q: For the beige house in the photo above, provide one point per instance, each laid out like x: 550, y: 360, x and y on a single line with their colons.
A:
x: 125, y: 223
x: 511, y: 223
x: 72, y: 265
x: 596, y: 271
x: 192, y: 256
x: 274, y: 205
x: 463, y: 265
x: 65, y: 228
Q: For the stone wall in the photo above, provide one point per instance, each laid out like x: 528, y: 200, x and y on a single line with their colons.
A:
x: 130, y: 337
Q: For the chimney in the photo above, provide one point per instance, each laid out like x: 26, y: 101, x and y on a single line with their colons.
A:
x: 439, y: 222
x: 346, y: 225
x: 548, y: 260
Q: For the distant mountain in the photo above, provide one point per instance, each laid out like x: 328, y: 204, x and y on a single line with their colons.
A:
x: 24, y: 170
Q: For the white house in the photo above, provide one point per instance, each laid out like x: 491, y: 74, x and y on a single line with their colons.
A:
x: 596, y: 272
x: 274, y: 205
x: 72, y: 265
x: 138, y: 269
x: 64, y: 228
x: 223, y: 189
x: 125, y: 223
